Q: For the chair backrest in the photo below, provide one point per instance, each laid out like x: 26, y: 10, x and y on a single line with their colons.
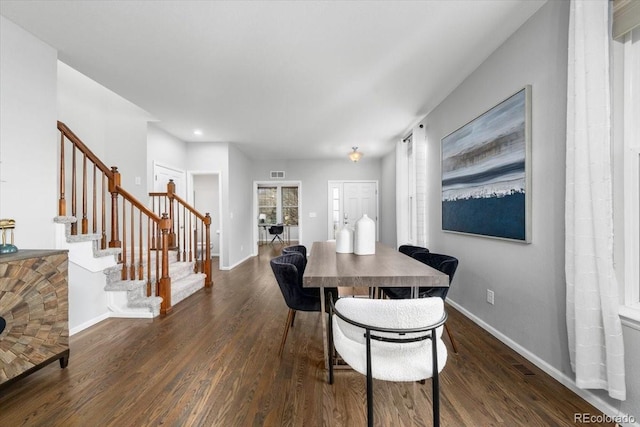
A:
x: 444, y: 263
x: 297, y: 248
x: 410, y: 249
x: 414, y: 313
x: 401, y: 329
x: 288, y: 270
x: 276, y: 229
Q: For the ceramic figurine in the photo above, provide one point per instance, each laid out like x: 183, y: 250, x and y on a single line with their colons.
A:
x: 7, y: 248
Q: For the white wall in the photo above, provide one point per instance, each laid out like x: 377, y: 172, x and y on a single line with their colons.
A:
x: 112, y: 127
x: 28, y: 136
x: 528, y: 279
x: 240, y: 243
x: 536, y: 55
x: 87, y: 298
x: 314, y: 176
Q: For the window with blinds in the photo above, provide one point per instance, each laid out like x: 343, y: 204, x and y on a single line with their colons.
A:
x: 280, y: 203
x: 268, y: 203
x: 290, y: 205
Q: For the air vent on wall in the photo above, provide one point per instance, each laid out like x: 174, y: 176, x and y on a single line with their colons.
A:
x: 277, y: 174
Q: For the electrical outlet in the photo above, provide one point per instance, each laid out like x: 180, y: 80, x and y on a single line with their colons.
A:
x: 490, y: 297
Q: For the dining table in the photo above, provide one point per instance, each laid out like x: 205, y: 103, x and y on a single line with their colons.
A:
x: 385, y: 268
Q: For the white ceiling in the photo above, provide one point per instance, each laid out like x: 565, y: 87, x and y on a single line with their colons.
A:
x: 285, y: 79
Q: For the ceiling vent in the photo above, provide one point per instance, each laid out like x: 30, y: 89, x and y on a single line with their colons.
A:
x: 277, y: 174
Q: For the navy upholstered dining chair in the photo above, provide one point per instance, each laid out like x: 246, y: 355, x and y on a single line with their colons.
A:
x: 390, y: 340
x: 296, y: 248
x: 444, y: 263
x: 411, y: 249
x: 288, y: 270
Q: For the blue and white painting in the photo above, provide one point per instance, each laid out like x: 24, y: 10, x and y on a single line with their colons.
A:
x: 484, y: 172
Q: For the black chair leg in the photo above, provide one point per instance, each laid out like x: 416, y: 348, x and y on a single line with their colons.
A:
x: 435, y: 390
x: 369, y: 381
x: 331, y: 349
x: 369, y: 401
x: 277, y: 236
x: 435, y: 383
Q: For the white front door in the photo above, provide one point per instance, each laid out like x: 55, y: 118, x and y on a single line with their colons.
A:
x: 348, y: 201
x: 360, y: 199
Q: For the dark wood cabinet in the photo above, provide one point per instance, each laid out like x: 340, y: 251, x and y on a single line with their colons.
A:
x: 34, y: 312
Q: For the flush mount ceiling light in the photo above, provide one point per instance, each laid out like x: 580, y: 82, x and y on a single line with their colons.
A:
x: 197, y: 132
x: 355, y: 155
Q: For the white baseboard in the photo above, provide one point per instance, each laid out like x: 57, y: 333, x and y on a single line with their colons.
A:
x: 88, y: 324
x: 132, y: 314
x: 237, y: 263
x: 568, y: 382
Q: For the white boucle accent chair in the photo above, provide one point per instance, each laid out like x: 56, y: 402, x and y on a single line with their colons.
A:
x: 389, y: 340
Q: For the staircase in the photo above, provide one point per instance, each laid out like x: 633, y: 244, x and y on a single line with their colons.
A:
x: 128, y: 298
x: 151, y: 259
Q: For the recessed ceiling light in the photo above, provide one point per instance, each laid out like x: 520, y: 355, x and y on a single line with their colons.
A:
x: 197, y: 132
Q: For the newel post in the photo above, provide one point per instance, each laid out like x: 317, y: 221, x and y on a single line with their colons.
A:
x: 114, y: 183
x: 171, y: 191
x: 165, y: 279
x: 207, y: 261
x: 62, y: 203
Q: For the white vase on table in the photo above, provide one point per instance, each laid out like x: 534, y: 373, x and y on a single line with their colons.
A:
x: 364, y: 240
x: 344, y: 240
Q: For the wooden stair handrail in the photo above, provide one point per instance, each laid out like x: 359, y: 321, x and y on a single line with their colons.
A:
x: 182, y: 202
x: 172, y: 197
x: 110, y: 182
x: 68, y: 133
x: 131, y: 199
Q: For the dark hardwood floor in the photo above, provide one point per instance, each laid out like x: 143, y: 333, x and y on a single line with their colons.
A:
x: 214, y: 362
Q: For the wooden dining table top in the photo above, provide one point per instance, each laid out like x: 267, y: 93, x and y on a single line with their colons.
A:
x: 387, y: 267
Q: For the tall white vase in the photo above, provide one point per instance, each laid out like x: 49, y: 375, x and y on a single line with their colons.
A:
x: 344, y: 240
x: 364, y: 240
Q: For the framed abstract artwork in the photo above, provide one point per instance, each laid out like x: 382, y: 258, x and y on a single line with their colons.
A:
x: 486, y: 173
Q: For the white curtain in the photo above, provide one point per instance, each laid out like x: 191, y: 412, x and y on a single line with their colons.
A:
x: 594, y: 329
x: 422, y: 220
x: 402, y: 209
x: 412, y: 220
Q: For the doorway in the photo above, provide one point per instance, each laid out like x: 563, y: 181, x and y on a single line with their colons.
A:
x: 204, y: 193
x: 279, y: 202
x: 206, y: 198
x: 348, y: 201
